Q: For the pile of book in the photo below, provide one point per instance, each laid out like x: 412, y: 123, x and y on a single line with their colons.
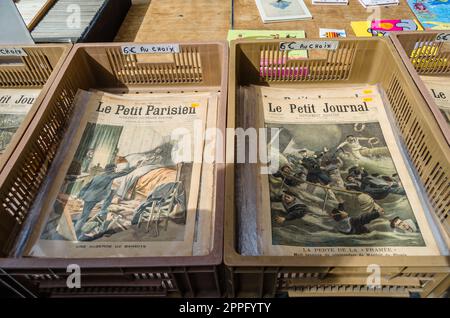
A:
x: 14, y: 106
x: 134, y: 177
x: 439, y: 87
x: 334, y: 179
x: 67, y: 20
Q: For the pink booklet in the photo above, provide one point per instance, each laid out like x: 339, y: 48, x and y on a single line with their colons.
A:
x: 393, y: 25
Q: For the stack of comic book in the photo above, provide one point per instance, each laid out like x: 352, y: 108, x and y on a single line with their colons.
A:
x: 334, y: 179
x: 14, y: 106
x: 134, y: 177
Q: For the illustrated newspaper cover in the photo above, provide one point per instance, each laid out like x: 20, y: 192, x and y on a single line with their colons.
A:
x: 341, y: 186
x: 439, y: 88
x: 14, y: 106
x: 129, y: 184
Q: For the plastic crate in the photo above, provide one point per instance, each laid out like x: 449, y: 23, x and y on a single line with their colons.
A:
x: 35, y: 70
x: 198, y: 67
x: 355, y: 61
x: 423, y: 55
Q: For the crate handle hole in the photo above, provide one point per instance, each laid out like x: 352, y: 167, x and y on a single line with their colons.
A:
x: 11, y: 61
x: 155, y: 58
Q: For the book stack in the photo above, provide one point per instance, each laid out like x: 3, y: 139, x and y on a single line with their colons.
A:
x: 378, y: 3
x: 282, y: 10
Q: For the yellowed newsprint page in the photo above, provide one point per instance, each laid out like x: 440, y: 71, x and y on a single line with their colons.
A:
x: 14, y: 107
x: 439, y: 88
x: 341, y: 186
x: 129, y: 186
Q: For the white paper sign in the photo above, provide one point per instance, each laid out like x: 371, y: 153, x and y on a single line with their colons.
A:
x: 150, y: 49
x: 12, y: 51
x: 309, y: 45
x: 443, y: 37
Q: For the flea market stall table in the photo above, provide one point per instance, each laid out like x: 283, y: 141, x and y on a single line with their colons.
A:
x: 246, y: 16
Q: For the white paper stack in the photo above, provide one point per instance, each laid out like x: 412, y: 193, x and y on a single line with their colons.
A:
x: 378, y: 3
x: 330, y: 2
x: 282, y: 10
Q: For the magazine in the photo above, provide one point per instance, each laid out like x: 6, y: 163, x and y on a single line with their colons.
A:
x: 282, y: 10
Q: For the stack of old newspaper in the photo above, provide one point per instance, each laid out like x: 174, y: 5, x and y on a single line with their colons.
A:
x: 135, y: 177
x: 14, y: 106
x: 334, y: 179
x: 439, y: 87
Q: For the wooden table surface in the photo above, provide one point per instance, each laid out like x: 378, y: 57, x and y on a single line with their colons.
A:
x: 202, y: 20
x: 132, y: 23
x: 177, y: 20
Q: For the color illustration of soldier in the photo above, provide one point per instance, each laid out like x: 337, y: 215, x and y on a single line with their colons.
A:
x: 295, y: 209
x: 97, y: 190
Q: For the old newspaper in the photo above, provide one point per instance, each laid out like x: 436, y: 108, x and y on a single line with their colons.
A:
x: 130, y: 183
x: 341, y: 186
x: 14, y: 106
x: 439, y: 88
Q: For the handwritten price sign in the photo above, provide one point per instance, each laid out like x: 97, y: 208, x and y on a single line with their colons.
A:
x: 443, y: 37
x: 309, y: 45
x: 151, y: 49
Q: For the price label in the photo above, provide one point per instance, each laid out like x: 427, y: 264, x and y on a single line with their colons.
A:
x: 12, y: 51
x: 309, y: 45
x: 443, y: 37
x: 150, y: 49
